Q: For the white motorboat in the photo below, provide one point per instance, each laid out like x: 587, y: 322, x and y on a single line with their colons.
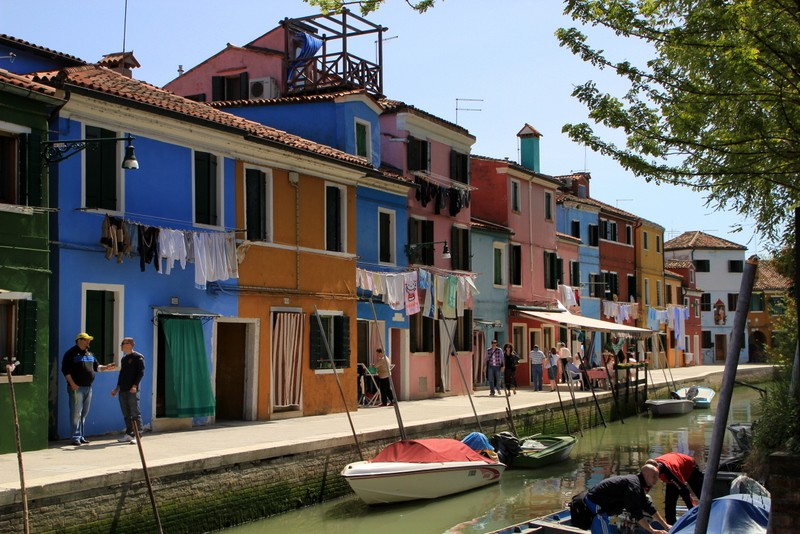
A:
x: 669, y: 406
x: 700, y: 395
x: 421, y: 469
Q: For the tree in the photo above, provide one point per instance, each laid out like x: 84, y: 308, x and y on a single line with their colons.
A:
x: 365, y: 6
x: 716, y: 109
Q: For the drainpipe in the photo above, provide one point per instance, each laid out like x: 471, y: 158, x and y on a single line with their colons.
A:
x: 294, y: 181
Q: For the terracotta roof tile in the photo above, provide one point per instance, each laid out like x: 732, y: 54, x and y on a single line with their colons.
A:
x: 567, y: 237
x: 41, y: 49
x: 24, y: 82
x: 395, y: 106
x: 297, y: 99
x: 678, y: 264
x: 602, y: 205
x: 105, y: 81
x: 488, y: 225
x: 518, y: 167
x: 768, y: 278
x: 700, y: 240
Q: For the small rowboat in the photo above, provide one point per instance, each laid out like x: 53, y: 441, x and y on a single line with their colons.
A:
x: 669, y: 406
x: 539, y: 451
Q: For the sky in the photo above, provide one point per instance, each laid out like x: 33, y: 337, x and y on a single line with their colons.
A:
x: 489, y: 66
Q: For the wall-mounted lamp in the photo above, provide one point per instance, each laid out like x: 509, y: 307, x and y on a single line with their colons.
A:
x: 413, y: 249
x: 55, y: 151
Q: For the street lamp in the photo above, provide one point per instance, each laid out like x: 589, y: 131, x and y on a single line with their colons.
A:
x: 412, y: 249
x: 56, y: 151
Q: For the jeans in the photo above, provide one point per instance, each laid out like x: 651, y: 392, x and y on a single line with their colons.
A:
x: 536, y: 375
x: 129, y: 403
x: 79, y: 402
x: 494, y: 378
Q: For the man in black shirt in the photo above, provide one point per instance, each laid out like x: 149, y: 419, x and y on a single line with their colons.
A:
x: 130, y: 374
x: 628, y: 492
x: 79, y: 367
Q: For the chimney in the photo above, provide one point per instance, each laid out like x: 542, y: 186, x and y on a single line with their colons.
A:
x: 529, y: 147
x: 121, y: 62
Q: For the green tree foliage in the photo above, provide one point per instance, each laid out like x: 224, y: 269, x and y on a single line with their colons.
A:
x: 716, y: 108
x: 365, y: 6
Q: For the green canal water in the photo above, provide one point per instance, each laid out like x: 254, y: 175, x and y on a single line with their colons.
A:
x: 520, y: 495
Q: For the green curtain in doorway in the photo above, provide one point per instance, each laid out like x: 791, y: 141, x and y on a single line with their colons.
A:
x: 188, y: 381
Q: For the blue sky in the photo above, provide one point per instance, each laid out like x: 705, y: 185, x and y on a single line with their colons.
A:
x: 502, y: 54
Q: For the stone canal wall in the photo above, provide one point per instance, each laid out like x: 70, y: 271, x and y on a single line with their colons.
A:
x: 200, y: 497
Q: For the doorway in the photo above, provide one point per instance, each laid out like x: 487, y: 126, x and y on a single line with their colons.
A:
x: 720, y: 347
x: 236, y: 369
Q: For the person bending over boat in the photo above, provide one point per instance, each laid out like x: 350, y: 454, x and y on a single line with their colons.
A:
x: 680, y: 473
x: 591, y: 509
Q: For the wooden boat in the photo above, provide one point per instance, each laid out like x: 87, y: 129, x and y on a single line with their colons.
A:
x: 700, y: 395
x: 539, y: 451
x: 659, y: 407
x: 421, y: 469
x: 561, y: 523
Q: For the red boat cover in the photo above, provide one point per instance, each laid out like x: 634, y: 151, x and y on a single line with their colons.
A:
x: 429, y: 450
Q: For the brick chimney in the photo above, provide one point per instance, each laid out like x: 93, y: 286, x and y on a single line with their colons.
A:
x: 121, y: 62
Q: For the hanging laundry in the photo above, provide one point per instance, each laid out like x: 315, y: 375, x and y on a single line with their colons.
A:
x: 148, y: 247
x: 114, y: 238
x: 412, y: 298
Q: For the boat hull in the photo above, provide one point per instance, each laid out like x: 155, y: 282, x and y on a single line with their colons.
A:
x: 669, y: 406
x: 558, y: 449
x: 390, y: 482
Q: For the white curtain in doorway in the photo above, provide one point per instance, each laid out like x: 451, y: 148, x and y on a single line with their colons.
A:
x: 287, y: 359
x: 445, y: 325
x: 478, y: 367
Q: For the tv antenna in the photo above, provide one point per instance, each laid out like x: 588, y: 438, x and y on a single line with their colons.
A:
x: 377, y: 52
x: 458, y: 100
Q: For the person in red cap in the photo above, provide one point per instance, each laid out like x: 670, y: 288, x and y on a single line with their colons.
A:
x: 680, y: 473
x: 79, y: 367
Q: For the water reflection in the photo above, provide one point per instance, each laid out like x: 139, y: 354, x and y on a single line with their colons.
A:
x: 601, y: 452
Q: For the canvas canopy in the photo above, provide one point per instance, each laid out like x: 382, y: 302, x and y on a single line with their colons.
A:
x: 429, y: 451
x: 571, y: 320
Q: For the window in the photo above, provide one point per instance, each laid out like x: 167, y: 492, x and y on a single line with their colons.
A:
x: 234, y: 87
x: 102, y: 319
x: 459, y: 166
x: 705, y: 337
x: 548, y: 206
x: 612, y: 285
x: 418, y: 155
x: 102, y: 171
x: 461, y: 259
x: 515, y: 265
x: 733, y: 299
x: 363, y: 139
x: 757, y: 302
x: 18, y: 332
x: 499, y: 267
x: 645, y: 241
x: 659, y: 293
x: 550, y: 270
x: 594, y: 235
x: 608, y: 230
x: 20, y: 166
x: 735, y: 266
x: 420, y: 231
x: 628, y: 234
x: 518, y: 340
x: 574, y: 273
x: 705, y: 302
x: 658, y: 243
x: 386, y: 236
x: 420, y: 330
x: 632, y: 293
x: 515, y: 205
x: 696, y: 307
x: 777, y: 306
x: 335, y: 217
x: 691, y: 276
x: 258, y: 204
x: 669, y: 293
x: 206, y: 194
x: 597, y: 285
x: 575, y: 229
x: 647, y: 291
x: 702, y: 266
x: 337, y: 331
x: 462, y: 337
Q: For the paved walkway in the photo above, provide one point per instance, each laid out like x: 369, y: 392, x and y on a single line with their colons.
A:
x: 104, y: 459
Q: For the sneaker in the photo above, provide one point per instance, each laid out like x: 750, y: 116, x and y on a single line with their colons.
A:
x: 76, y: 442
x: 84, y: 440
x: 132, y: 441
x: 127, y: 438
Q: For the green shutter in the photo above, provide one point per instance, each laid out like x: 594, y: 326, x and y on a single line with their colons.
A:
x: 341, y: 329
x: 315, y: 345
x: 30, y: 170
x: 26, y: 336
x: 217, y: 88
x: 256, y: 205
x: 244, y: 86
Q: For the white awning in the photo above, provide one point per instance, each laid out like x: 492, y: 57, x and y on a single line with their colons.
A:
x: 571, y: 320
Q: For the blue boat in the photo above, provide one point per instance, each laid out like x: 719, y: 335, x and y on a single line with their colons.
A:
x: 739, y: 513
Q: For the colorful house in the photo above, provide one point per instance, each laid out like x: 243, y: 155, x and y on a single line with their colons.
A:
x: 682, y: 289
x: 25, y: 107
x: 768, y: 302
x: 719, y: 265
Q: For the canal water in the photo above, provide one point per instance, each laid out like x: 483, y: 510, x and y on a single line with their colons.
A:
x: 621, y: 448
